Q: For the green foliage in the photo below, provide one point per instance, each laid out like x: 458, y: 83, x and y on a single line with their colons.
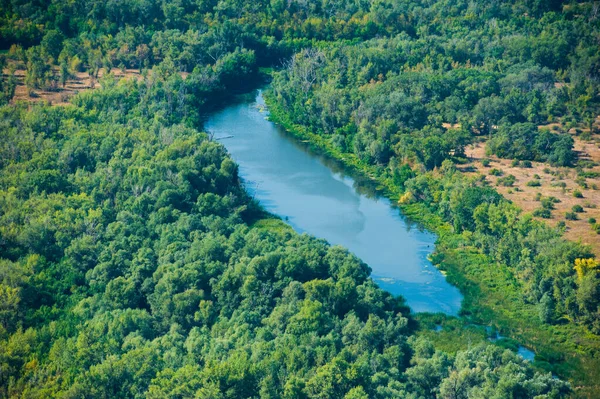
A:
x: 128, y: 269
x: 523, y: 141
x: 543, y: 213
x: 506, y: 181
x: 8, y: 83
x: 571, y: 216
x: 502, y: 90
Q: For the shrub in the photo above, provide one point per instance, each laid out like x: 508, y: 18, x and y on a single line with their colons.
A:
x: 577, y: 194
x: 571, y: 216
x: 538, y: 196
x: 507, y: 181
x: 577, y: 209
x: 592, y: 220
x: 547, y: 203
x: 485, y: 162
x: 586, y: 136
x: 534, y: 183
x: 580, y: 180
x: 526, y: 164
x: 560, y: 184
x: 543, y: 213
x: 496, y: 172
x: 515, y: 163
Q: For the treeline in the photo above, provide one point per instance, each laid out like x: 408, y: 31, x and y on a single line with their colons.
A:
x: 128, y: 270
x: 409, y: 105
x: 55, y: 41
x: 27, y: 23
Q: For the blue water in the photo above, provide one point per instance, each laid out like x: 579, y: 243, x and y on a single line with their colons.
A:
x: 316, y: 196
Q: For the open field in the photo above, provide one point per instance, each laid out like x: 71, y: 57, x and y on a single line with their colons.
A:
x: 560, y: 183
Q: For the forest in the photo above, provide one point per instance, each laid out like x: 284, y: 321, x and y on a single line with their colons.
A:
x: 134, y: 264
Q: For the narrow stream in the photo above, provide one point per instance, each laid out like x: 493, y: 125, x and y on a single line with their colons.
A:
x: 316, y: 196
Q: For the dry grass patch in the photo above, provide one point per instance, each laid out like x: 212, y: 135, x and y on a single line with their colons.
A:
x: 81, y: 81
x: 560, y: 183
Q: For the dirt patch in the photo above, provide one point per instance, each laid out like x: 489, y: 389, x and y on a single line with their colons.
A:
x: 81, y: 81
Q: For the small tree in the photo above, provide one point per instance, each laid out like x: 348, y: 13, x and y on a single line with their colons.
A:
x: 65, y: 74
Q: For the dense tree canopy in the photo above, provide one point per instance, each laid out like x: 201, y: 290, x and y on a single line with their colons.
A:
x: 409, y: 103
x: 129, y: 266
x: 128, y: 270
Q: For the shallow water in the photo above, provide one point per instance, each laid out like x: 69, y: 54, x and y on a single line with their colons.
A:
x: 522, y: 351
x: 316, y: 196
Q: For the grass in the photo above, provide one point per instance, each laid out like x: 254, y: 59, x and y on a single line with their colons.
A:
x: 272, y: 224
x: 491, y: 294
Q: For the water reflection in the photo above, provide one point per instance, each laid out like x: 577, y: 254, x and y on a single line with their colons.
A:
x: 316, y: 195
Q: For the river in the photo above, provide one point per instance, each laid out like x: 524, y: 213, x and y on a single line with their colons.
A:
x: 316, y: 196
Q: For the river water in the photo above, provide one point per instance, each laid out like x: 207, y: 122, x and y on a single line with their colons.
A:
x: 315, y: 195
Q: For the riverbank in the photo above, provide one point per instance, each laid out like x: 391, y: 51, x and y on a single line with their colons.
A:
x: 491, y: 295
x: 315, y: 195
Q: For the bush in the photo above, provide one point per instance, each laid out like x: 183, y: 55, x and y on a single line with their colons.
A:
x: 586, y: 136
x: 526, y: 164
x: 577, y: 194
x: 515, y: 163
x: 543, y: 213
x: 538, y: 196
x: 496, y: 172
x: 577, y: 209
x: 485, y: 162
x: 580, y: 180
x: 560, y: 184
x: 571, y: 216
x: 534, y: 183
x: 592, y: 220
x: 547, y: 203
x: 507, y: 181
